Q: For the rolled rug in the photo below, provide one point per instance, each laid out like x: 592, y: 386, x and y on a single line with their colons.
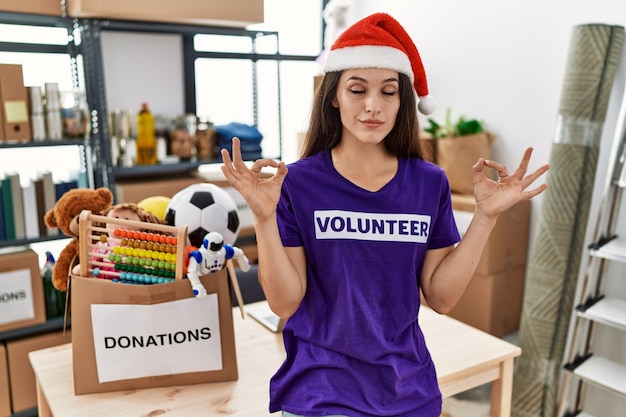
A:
x: 556, y: 250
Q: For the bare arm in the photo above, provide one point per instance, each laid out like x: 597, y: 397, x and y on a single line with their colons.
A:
x: 448, y: 271
x: 282, y: 271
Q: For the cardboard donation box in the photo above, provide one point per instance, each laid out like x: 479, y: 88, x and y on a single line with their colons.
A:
x: 128, y: 335
x: 21, y: 291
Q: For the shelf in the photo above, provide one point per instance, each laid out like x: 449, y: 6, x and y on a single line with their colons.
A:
x: 603, y: 373
x: 38, y: 144
x: 142, y: 171
x: 608, y: 311
x: 614, y: 250
x: 52, y: 325
x: 27, y: 242
x: 33, y: 412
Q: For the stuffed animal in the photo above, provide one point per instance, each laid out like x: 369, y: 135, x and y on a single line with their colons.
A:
x: 65, y: 215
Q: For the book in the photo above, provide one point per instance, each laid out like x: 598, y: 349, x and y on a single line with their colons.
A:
x: 18, y: 205
x: 3, y: 232
x: 64, y: 186
x: 50, y: 198
x: 7, y: 199
x: 31, y: 221
x: 41, y: 206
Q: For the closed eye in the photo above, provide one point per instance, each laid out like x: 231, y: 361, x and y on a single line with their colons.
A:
x: 357, y: 91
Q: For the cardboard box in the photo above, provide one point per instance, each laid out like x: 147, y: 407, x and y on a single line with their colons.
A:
x: 14, y: 119
x: 135, y: 191
x: 21, y: 291
x: 47, y: 7
x: 5, y: 394
x: 22, y: 377
x: 234, y: 13
x: 131, y: 335
x: 493, y: 303
x: 111, y: 354
x: 507, y: 246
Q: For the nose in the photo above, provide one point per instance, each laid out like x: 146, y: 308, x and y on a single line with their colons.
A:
x: 372, y: 105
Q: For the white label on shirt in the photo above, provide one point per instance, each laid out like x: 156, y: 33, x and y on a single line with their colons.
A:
x: 340, y: 224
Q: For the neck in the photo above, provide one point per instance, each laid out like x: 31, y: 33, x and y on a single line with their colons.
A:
x: 368, y: 166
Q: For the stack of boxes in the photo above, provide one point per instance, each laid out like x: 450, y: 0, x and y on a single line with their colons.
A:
x: 22, y: 306
x: 493, y: 299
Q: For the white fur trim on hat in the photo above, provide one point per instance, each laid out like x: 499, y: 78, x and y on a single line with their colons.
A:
x: 369, y: 56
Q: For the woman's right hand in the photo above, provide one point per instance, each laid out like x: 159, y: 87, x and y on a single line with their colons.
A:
x: 261, y: 194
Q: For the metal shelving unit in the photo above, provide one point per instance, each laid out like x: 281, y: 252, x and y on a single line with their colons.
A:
x: 84, y: 42
x: 106, y: 174
x: 83, y: 146
x: 583, y: 366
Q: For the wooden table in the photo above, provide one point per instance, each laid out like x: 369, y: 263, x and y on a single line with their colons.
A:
x: 464, y: 357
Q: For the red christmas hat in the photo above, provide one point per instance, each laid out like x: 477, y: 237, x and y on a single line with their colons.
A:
x: 379, y: 41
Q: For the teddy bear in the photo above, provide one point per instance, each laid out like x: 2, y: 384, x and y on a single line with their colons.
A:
x: 64, y: 215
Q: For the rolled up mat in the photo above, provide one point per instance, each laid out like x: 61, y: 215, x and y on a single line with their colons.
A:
x: 556, y: 250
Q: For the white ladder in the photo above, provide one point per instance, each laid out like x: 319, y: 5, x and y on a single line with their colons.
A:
x: 594, y: 307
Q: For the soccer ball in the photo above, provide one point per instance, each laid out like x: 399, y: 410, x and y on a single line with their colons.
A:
x: 204, y: 208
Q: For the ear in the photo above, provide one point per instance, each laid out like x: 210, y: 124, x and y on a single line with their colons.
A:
x: 335, y: 103
x: 50, y: 219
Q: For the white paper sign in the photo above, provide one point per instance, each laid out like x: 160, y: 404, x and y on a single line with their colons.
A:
x: 135, y: 341
x: 16, y: 296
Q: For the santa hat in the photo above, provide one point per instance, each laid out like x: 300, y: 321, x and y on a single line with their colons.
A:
x: 379, y: 41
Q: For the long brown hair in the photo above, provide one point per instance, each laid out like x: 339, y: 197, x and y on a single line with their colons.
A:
x: 325, y: 124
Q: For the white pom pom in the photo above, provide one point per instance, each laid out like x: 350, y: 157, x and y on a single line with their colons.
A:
x: 426, y: 105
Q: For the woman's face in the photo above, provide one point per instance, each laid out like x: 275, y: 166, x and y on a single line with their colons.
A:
x: 368, y: 100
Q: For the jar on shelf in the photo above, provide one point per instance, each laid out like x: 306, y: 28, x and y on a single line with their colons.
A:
x: 183, y: 137
x: 74, y: 114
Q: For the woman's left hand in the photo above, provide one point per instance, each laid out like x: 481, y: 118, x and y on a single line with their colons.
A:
x: 496, y: 196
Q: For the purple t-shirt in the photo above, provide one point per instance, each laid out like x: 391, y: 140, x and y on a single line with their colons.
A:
x: 354, y: 346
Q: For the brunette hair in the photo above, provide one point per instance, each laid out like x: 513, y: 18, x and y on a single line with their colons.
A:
x: 325, y: 123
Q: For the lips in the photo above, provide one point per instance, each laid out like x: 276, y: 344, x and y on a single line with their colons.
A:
x: 372, y: 123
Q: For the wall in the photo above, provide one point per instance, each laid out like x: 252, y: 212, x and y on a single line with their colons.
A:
x: 500, y: 62
x: 503, y: 62
x: 143, y: 67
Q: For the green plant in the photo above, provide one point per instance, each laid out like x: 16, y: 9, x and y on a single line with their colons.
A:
x: 462, y: 127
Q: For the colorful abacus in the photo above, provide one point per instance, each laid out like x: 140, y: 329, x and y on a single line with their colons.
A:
x: 138, y: 252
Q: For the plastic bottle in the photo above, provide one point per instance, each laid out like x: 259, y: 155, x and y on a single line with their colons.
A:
x: 54, y: 299
x: 146, y: 137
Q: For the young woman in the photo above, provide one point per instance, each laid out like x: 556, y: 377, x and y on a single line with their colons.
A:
x: 359, y: 225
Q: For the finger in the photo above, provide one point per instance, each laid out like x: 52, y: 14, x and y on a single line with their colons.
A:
x: 227, y: 167
x: 478, y: 170
x: 535, y: 192
x: 263, y: 163
x: 237, y: 158
x: 532, y: 177
x: 499, y: 168
x: 523, y: 165
x: 225, y: 156
x: 281, y: 172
